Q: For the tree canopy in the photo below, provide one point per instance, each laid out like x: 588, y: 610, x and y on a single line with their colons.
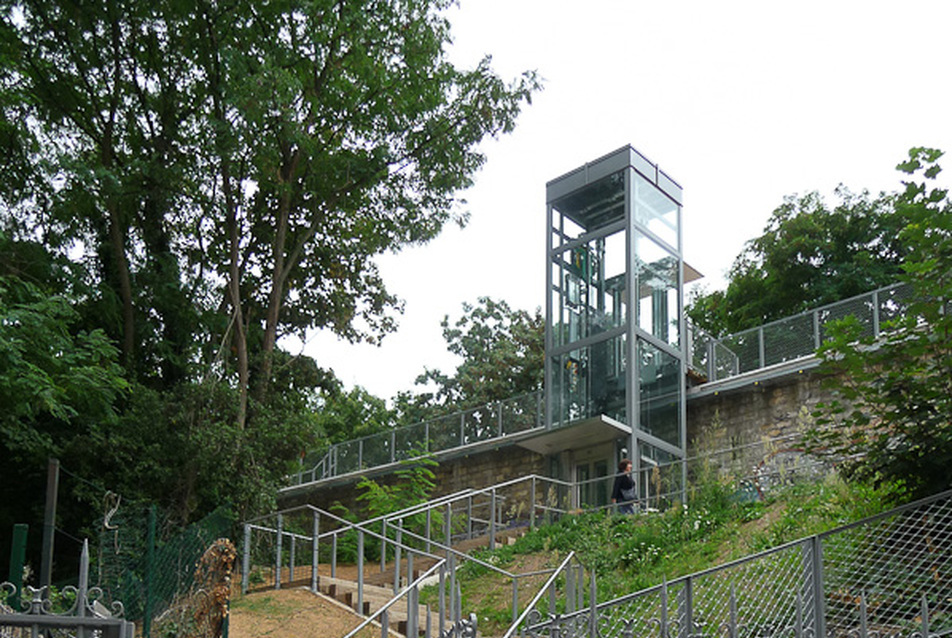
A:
x: 809, y: 255
x: 204, y: 179
x: 892, y: 418
x: 502, y: 355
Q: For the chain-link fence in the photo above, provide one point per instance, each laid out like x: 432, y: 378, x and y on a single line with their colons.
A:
x: 793, y: 337
x: 168, y: 579
x: 886, y: 576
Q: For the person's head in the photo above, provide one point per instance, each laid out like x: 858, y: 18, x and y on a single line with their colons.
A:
x: 624, y: 465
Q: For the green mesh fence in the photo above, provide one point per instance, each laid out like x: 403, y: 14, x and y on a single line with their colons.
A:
x: 157, y: 571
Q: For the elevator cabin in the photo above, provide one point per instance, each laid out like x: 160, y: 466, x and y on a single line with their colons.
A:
x: 615, y: 351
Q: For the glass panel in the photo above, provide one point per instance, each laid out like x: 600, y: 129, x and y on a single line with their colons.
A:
x: 656, y: 274
x: 659, y: 379
x: 590, y: 381
x: 588, y: 294
x: 587, y: 209
x: 653, y: 210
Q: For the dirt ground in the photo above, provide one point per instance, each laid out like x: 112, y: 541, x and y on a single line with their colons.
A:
x: 291, y: 612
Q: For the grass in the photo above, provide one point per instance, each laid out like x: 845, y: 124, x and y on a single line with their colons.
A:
x: 630, y: 553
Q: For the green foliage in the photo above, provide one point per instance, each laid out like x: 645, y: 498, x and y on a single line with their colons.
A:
x: 809, y: 255
x: 344, y: 416
x: 502, y: 352
x: 184, y: 184
x: 892, y: 418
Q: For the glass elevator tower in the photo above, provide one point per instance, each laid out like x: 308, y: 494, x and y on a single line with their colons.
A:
x: 615, y: 333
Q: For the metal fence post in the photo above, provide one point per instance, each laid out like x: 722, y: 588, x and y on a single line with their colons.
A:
x: 315, y: 558
x: 383, y: 546
x: 760, y: 346
x: 291, y: 561
x: 819, y: 600
x: 334, y: 555
x: 442, y: 625
x: 499, y: 407
x: 360, y: 570
x: 397, y: 550
x: 277, y: 553
x: 393, y: 446
x: 532, y: 502
x: 448, y: 528
x: 816, y: 329
x: 515, y: 597
x: 686, y: 624
x: 593, y: 608
x: 492, y: 520
x: 429, y: 524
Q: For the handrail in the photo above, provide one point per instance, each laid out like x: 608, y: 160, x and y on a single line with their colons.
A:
x: 535, y: 600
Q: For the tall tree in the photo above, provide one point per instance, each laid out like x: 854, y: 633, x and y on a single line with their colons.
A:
x: 810, y: 254
x: 892, y: 418
x: 223, y: 176
x: 502, y: 352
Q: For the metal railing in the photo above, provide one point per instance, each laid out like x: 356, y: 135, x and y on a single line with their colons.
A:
x: 792, y: 337
x: 886, y: 576
x: 715, y: 359
x: 469, y: 427
x: 85, y: 616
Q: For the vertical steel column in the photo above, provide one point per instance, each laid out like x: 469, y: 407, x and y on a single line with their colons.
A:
x: 277, y: 553
x: 686, y: 624
x: 442, y: 625
x: 83, y: 587
x: 469, y: 517
x: 334, y: 555
x: 819, y: 599
x: 410, y: 576
x: 532, y: 503
x: 397, y: 549
x: 360, y: 571
x: 246, y: 560
x: 515, y: 597
x: 492, y: 520
x: 569, y: 588
x: 448, y: 528
x: 875, y: 313
x: 760, y: 346
x: 925, y: 616
x: 816, y: 329
x: 383, y: 546
x: 393, y: 446
x: 360, y: 454
x: 429, y: 524
x: 499, y: 407
x: 593, y: 608
x: 291, y: 562
x: 316, y: 532
x: 462, y: 428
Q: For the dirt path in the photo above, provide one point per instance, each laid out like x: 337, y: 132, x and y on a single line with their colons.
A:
x: 291, y: 612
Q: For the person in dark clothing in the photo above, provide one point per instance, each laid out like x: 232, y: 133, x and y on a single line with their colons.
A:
x: 623, y: 491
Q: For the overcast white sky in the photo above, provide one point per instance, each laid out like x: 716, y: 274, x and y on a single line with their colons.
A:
x: 742, y: 103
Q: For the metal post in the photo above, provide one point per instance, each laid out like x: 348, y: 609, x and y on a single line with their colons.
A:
x: 334, y: 555
x: 686, y: 624
x: 442, y: 626
x: 469, y: 517
x: 17, y: 559
x: 429, y: 522
x: 515, y: 597
x: 315, y: 558
x: 760, y: 346
x: 875, y: 314
x: 383, y: 546
x: 462, y: 429
x: 593, y: 607
x: 532, y: 503
x: 569, y: 589
x: 492, y: 520
x: 410, y: 576
x: 277, y: 553
x: 291, y: 562
x: 360, y: 571
x: 149, y: 575
x: 398, y: 550
x: 499, y: 407
x: 246, y: 560
x: 49, y: 524
x: 863, y: 621
x: 454, y: 595
x: 711, y: 367
x: 448, y: 528
x: 360, y: 454
x: 819, y: 599
x: 83, y: 587
x: 732, y: 630
x: 925, y: 617
x: 816, y: 329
